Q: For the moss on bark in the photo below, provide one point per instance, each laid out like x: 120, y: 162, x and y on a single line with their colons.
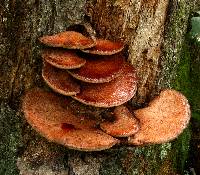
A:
x: 11, y: 139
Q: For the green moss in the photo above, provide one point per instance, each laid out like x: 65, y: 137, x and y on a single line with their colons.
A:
x: 195, y: 81
x: 183, y: 84
x: 173, y: 44
x: 188, y: 78
x: 146, y: 160
x: 188, y: 82
x: 181, y: 150
x: 183, y: 80
x: 10, y: 133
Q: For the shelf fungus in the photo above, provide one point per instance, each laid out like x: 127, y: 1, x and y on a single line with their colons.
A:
x: 99, y: 69
x: 163, y: 120
x: 113, y: 93
x: 100, y: 78
x: 62, y: 58
x: 60, y: 80
x: 105, y: 47
x: 123, y: 125
x: 68, y: 39
x: 52, y: 118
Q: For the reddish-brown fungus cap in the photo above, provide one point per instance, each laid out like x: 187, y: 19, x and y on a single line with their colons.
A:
x: 163, y: 120
x: 59, y: 80
x: 113, y: 93
x: 99, y: 69
x: 105, y: 47
x: 52, y: 118
x: 124, y: 124
x: 68, y: 39
x: 63, y: 59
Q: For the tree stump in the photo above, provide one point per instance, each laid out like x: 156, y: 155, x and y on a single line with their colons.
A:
x: 153, y: 36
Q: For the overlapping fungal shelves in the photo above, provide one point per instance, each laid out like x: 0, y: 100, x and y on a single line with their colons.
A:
x: 95, y: 73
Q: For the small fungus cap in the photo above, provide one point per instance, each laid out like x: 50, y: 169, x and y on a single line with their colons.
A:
x: 59, y: 80
x: 113, y: 93
x: 124, y: 124
x: 51, y: 116
x: 163, y: 120
x: 68, y: 39
x: 99, y: 69
x: 63, y: 59
x: 105, y: 47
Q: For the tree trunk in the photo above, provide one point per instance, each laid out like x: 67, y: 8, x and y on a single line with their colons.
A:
x: 154, y: 33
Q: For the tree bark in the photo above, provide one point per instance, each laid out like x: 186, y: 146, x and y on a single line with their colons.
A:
x: 153, y: 31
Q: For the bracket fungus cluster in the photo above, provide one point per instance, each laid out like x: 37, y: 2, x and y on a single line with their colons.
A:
x: 94, y: 72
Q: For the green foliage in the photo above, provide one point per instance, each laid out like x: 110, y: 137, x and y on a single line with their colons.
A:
x: 196, y: 116
x: 195, y: 31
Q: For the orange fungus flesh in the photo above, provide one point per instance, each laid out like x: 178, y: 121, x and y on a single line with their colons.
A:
x: 163, y: 120
x: 63, y: 59
x: 59, y: 80
x: 68, y: 39
x: 113, y: 93
x: 51, y: 117
x: 99, y: 69
x: 105, y: 47
x: 124, y: 124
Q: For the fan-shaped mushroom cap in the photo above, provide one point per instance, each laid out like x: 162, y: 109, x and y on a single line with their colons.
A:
x: 99, y: 69
x: 163, y: 120
x: 68, y: 39
x: 105, y: 47
x: 124, y: 124
x: 113, y: 93
x: 52, y: 118
x: 59, y: 80
x: 63, y: 59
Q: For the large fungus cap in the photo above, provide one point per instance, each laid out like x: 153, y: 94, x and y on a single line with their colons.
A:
x: 63, y: 59
x: 105, y: 47
x: 52, y: 118
x: 163, y: 120
x: 68, y: 39
x: 99, y: 69
x: 124, y: 124
x: 113, y: 93
x: 59, y: 80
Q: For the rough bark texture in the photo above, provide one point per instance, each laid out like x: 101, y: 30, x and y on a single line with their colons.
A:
x: 140, y: 24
